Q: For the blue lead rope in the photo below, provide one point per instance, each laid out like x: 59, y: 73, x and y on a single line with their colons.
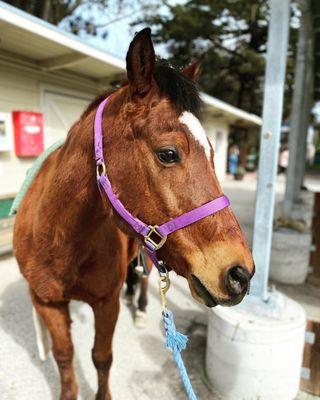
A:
x: 177, y: 342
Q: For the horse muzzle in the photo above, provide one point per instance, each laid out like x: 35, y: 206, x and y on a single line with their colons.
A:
x: 236, y: 281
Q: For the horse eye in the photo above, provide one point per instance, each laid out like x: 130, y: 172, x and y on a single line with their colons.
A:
x: 169, y: 155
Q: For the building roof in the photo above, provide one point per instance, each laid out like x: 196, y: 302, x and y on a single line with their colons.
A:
x: 220, y: 109
x: 52, y: 48
x: 49, y: 48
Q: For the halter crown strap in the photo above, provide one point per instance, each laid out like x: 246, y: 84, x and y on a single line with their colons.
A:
x: 98, y: 146
x: 135, y: 223
x: 154, y: 236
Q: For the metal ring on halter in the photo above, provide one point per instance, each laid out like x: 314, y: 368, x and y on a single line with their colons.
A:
x: 101, y: 169
x: 148, y: 240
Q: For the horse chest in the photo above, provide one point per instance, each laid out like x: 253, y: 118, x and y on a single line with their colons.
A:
x: 98, y: 280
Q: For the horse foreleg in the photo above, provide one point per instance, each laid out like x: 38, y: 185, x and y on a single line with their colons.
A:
x: 57, y: 319
x: 42, y: 335
x: 143, y: 296
x: 131, y: 281
x: 140, y: 318
x: 106, y: 315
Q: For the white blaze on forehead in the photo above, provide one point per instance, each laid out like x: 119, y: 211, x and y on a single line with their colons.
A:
x: 196, y: 129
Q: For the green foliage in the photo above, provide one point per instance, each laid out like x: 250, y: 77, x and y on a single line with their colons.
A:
x: 232, y: 34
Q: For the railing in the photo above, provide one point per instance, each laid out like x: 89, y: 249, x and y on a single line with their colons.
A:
x: 6, y: 224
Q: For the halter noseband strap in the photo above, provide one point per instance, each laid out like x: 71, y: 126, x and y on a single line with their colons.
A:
x: 154, y: 236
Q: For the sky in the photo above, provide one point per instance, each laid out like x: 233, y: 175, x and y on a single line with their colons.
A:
x: 120, y: 33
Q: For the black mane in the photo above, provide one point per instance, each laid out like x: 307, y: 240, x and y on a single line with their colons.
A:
x: 180, y: 89
x: 172, y: 84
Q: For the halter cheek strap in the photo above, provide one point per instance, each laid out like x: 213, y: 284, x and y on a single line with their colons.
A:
x: 154, y: 236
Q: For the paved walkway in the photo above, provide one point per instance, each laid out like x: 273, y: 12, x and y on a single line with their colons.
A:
x: 142, y: 368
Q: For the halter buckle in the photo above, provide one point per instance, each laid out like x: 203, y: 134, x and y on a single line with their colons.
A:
x: 101, y: 169
x: 148, y: 240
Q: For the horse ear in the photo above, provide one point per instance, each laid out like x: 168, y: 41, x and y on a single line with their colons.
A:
x: 140, y: 63
x: 192, y: 71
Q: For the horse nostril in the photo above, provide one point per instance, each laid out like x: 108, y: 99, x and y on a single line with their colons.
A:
x: 237, y: 280
x: 203, y: 292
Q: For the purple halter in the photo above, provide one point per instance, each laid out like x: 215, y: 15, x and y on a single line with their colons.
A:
x: 154, y: 236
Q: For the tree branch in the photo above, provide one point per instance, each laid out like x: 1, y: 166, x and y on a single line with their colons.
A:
x: 220, y: 46
x: 119, y: 18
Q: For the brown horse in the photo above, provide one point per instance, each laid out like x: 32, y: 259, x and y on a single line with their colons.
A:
x: 71, y: 244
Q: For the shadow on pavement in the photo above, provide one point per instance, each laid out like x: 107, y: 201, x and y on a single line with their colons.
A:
x: 16, y: 321
x: 166, y: 383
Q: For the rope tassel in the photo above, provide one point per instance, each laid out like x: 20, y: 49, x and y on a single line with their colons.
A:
x: 177, y: 342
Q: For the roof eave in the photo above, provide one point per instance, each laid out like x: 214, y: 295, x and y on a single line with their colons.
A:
x: 235, y: 112
x: 32, y: 24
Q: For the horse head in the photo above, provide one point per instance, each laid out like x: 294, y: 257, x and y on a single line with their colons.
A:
x: 161, y: 165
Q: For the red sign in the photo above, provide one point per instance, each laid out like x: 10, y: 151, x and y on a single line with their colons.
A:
x: 28, y: 133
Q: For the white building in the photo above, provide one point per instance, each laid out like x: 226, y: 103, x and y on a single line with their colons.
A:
x: 44, y: 69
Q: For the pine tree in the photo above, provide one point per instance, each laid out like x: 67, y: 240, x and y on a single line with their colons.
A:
x: 232, y: 35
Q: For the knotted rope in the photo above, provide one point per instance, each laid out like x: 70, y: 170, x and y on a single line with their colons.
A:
x: 175, y: 341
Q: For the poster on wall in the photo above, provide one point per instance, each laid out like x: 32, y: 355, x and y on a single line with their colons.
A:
x: 5, y: 131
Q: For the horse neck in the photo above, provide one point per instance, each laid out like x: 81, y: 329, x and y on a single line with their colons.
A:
x: 74, y: 190
x: 76, y: 172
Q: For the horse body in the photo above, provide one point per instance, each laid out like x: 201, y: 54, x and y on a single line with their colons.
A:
x: 71, y: 244
x: 62, y: 235
x: 67, y: 249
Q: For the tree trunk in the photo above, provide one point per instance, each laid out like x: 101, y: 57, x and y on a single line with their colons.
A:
x: 45, y: 11
x: 300, y: 111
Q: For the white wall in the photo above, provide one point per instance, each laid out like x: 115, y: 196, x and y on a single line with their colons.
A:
x: 62, y: 101
x: 218, y: 132
x: 23, y: 89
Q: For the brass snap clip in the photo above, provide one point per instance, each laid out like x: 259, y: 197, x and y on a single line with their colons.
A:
x: 164, y: 286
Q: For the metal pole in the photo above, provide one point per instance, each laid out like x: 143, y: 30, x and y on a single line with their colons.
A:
x: 269, y: 143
